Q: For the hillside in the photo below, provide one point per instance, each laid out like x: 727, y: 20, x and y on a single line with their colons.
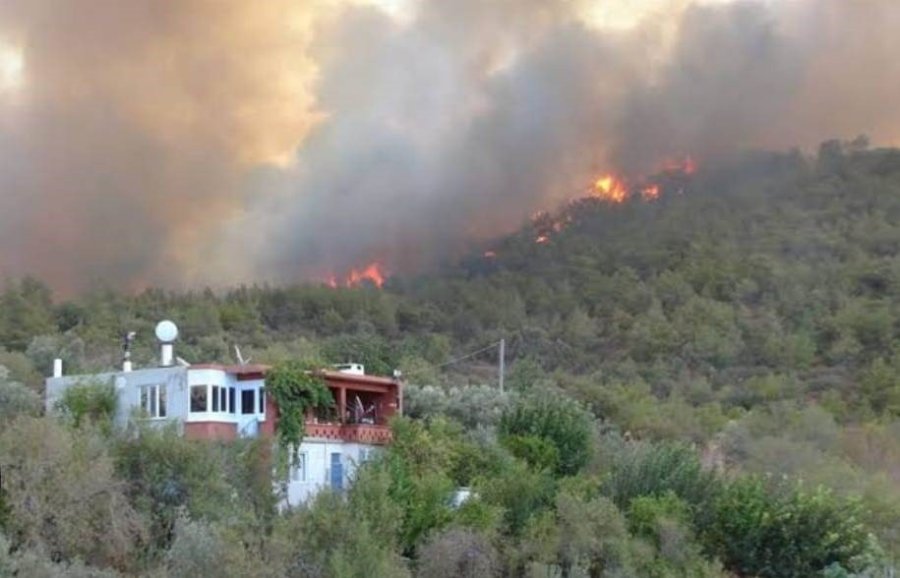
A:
x: 751, y: 312
x: 776, y: 264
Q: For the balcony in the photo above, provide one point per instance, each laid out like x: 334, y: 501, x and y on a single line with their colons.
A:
x: 349, y: 432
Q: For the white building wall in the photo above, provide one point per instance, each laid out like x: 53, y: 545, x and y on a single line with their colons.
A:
x: 176, y: 382
x: 302, y: 485
x: 128, y: 387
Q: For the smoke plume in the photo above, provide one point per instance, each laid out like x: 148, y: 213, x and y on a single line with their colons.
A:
x: 203, y: 142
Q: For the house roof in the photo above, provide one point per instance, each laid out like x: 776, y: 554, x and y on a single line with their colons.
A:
x: 260, y: 369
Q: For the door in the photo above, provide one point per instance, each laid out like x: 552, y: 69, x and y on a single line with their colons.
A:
x: 337, y: 471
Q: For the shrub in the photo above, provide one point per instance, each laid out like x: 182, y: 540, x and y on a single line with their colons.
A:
x: 557, y: 420
x: 197, y: 550
x: 641, y: 469
x: 94, y: 401
x: 646, y: 512
x: 458, y: 553
x: 783, y: 530
x: 16, y: 399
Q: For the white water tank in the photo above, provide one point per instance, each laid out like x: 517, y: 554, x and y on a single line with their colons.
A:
x: 351, y: 368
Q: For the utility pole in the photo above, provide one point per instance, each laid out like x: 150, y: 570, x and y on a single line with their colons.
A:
x: 502, y: 362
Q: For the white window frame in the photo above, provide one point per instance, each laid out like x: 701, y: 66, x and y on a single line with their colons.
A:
x: 207, y: 399
x: 151, y: 396
x: 252, y: 405
x: 299, y: 462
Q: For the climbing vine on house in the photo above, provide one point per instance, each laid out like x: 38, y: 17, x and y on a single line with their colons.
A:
x: 296, y: 386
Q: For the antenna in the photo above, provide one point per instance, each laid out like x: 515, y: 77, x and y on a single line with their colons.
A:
x: 127, y: 341
x: 240, y: 358
x: 502, y: 360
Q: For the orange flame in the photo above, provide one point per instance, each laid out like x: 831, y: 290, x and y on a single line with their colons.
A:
x: 650, y: 193
x: 373, y: 272
x: 609, y: 188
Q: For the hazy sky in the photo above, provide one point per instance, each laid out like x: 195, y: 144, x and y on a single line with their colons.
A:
x: 223, y: 141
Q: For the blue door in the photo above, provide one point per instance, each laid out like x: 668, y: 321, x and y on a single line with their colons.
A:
x: 337, y: 472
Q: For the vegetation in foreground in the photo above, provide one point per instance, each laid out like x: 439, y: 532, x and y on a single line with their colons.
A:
x: 702, y: 386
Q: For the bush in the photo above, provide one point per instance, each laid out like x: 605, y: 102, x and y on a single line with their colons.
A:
x: 557, y: 420
x: 784, y: 530
x: 457, y: 553
x: 166, y: 474
x: 16, y: 399
x: 642, y: 469
x: 197, y: 550
x: 646, y: 512
x: 328, y: 538
x: 93, y: 401
x: 521, y: 492
x: 63, y: 497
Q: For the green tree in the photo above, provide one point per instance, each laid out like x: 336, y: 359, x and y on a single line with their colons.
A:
x: 93, y: 402
x: 784, y: 531
x: 26, y: 310
x: 63, y: 497
x: 557, y: 420
x: 16, y: 399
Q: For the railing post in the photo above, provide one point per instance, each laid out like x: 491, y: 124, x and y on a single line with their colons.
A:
x: 342, y: 404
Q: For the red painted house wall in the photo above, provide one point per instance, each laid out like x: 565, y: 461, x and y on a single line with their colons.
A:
x: 209, y: 430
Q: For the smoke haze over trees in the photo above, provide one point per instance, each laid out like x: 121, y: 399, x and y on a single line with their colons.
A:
x: 704, y: 386
x: 216, y: 143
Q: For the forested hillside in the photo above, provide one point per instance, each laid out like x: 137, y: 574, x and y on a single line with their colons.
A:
x: 730, y: 355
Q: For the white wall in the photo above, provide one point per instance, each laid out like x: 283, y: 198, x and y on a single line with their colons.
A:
x: 318, y: 467
x: 128, y: 389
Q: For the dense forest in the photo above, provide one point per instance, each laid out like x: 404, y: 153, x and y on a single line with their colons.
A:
x: 704, y: 385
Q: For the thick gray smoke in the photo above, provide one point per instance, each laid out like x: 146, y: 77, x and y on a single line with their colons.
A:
x: 458, y: 126
x: 150, y: 146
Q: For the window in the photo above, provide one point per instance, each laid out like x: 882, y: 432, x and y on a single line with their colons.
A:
x: 231, y: 407
x: 153, y: 400
x: 199, y: 399
x: 216, y: 398
x: 262, y: 400
x: 298, y: 466
x: 248, y: 401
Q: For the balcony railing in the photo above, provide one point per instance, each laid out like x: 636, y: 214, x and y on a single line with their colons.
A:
x: 356, y: 433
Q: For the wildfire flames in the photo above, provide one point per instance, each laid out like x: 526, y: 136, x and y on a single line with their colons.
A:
x: 650, y: 193
x: 609, y: 188
x: 374, y: 273
x: 614, y: 189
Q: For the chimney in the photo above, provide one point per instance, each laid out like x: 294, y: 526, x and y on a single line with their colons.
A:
x: 57, y: 367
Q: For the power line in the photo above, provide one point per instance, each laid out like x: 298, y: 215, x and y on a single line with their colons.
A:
x: 501, y: 369
x: 468, y: 355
